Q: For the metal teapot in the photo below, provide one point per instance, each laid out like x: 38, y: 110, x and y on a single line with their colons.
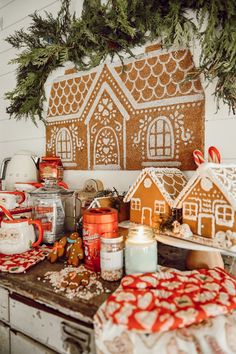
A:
x: 22, y: 167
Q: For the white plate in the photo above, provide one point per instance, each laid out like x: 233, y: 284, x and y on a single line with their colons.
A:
x: 176, y: 242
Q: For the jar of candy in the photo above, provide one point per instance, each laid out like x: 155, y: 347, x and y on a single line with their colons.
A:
x: 48, y: 206
x: 112, y: 258
x: 97, y: 223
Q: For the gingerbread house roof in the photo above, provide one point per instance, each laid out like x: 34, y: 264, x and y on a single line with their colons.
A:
x: 157, y: 77
x: 224, y: 177
x: 170, y: 182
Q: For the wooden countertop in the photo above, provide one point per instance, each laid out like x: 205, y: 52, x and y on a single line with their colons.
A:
x: 28, y: 285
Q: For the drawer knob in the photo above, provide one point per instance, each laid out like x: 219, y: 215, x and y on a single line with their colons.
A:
x: 73, y: 347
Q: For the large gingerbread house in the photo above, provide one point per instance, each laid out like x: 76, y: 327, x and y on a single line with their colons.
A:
x: 209, y: 200
x: 154, y: 193
x: 149, y: 112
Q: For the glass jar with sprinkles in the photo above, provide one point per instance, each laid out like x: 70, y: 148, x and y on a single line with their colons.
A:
x: 112, y: 258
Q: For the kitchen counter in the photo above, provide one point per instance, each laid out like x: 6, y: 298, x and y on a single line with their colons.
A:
x: 34, y: 318
x: 31, y: 285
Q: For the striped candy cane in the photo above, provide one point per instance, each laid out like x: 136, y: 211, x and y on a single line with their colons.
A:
x: 6, y: 212
x: 198, y: 157
x: 214, y: 155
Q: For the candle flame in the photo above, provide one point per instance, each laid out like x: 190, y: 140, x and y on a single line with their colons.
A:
x: 141, y: 234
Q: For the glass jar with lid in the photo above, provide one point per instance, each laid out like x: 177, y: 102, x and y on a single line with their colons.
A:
x: 48, y: 206
x: 111, y: 258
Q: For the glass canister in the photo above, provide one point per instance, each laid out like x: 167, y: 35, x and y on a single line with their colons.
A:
x: 97, y: 223
x: 112, y: 258
x: 140, y: 251
x: 48, y: 206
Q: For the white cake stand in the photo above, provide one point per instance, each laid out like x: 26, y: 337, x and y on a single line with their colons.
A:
x: 199, y: 256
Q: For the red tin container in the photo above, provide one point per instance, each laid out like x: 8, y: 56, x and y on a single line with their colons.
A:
x: 51, y: 167
x: 97, y: 222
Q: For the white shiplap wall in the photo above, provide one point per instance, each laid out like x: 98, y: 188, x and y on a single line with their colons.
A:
x: 220, y: 127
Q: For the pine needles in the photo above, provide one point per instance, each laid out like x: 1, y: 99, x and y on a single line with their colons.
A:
x: 117, y: 27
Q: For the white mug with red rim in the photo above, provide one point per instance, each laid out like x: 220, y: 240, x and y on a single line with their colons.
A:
x: 11, y: 199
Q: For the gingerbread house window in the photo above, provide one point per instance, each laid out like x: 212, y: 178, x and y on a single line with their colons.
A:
x: 64, y: 145
x: 190, y: 211
x: 135, y: 204
x: 160, y: 139
x: 224, y: 215
x: 159, y: 207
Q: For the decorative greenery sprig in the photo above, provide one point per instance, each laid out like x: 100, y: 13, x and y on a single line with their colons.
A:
x: 114, y: 28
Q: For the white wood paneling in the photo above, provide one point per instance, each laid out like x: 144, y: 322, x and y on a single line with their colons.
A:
x: 4, y: 305
x: 5, y: 58
x: 121, y: 180
x: 3, y: 114
x: 9, y: 148
x: 18, y: 10
x: 222, y: 133
x: 220, y: 126
x: 7, y: 83
x: 17, y: 127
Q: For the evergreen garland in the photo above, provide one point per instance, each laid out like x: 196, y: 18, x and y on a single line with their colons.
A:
x: 117, y: 27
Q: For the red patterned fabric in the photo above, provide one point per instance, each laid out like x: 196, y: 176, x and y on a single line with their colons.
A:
x: 157, y: 302
x: 18, y: 263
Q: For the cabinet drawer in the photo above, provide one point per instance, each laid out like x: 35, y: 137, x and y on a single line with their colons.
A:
x: 4, y: 305
x: 4, y: 339
x: 21, y: 344
x: 46, y: 327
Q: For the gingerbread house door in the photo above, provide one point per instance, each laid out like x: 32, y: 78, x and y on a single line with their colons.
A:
x: 106, y: 150
x: 206, y: 225
x: 146, y: 216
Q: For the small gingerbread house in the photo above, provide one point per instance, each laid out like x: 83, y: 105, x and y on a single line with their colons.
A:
x: 154, y: 193
x: 209, y: 200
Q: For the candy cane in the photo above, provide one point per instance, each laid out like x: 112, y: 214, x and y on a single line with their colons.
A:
x: 198, y: 157
x: 6, y: 212
x: 214, y: 155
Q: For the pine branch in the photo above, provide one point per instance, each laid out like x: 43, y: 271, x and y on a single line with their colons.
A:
x: 115, y: 27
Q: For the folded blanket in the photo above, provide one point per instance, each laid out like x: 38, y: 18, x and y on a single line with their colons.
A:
x: 157, y: 302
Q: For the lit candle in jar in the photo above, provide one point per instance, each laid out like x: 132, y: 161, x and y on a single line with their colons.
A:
x: 140, y: 251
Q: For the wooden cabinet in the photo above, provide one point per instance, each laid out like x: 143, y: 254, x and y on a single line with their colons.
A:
x: 4, y: 305
x: 21, y: 344
x: 27, y: 326
x: 4, y: 339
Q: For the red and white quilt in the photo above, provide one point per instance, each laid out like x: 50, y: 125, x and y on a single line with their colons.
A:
x: 170, y: 312
x: 157, y: 302
x: 19, y: 263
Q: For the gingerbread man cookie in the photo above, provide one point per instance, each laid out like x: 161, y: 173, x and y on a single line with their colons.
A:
x: 73, y: 280
x: 70, y: 241
x: 58, y: 250
x: 74, y: 252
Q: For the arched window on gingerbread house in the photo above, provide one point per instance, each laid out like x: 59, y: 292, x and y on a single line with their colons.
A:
x: 64, y: 145
x: 160, y: 139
